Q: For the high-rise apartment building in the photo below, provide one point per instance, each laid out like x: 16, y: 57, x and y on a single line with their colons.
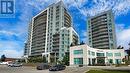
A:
x: 101, y: 31
x: 51, y: 33
x: 25, y: 49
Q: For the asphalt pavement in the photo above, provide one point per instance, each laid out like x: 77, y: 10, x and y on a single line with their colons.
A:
x: 24, y: 69
x: 27, y: 69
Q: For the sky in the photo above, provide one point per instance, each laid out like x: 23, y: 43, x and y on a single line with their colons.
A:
x: 13, y: 31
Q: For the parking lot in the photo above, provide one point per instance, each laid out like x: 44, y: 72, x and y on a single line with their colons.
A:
x: 27, y: 69
x: 5, y: 69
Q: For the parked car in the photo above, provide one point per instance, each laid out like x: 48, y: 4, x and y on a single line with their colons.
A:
x: 3, y: 63
x: 57, y: 68
x: 43, y: 66
x: 14, y: 64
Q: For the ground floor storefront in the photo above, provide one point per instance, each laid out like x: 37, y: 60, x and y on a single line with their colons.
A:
x: 85, y: 55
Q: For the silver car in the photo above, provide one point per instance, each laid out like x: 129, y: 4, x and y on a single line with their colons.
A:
x: 14, y: 64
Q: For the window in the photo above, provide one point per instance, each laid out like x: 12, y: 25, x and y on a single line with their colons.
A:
x: 62, y: 46
x: 88, y: 52
x: 57, y: 22
x: 117, y: 61
x: 110, y: 61
x: 78, y: 51
x: 62, y: 55
x: 100, y: 54
x: 109, y: 54
x: 93, y: 53
x: 110, y: 30
x: 117, y: 54
x: 78, y: 60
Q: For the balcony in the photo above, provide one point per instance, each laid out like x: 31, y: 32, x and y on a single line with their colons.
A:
x: 98, y: 23
x: 99, y: 28
x: 99, y: 31
x: 99, y: 34
x: 100, y: 41
x: 102, y: 47
x: 101, y: 44
x: 55, y: 49
x: 101, y: 37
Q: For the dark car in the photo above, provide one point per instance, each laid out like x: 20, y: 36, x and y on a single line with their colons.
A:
x: 57, y: 68
x: 43, y: 66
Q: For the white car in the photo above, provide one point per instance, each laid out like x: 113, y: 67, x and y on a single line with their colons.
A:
x: 3, y: 63
x: 14, y: 64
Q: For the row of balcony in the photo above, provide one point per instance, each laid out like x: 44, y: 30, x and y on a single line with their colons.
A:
x: 37, y: 46
x: 101, y: 40
x: 99, y: 21
x: 42, y: 27
x: 42, y: 14
x: 100, y: 27
x: 67, y: 15
x: 67, y: 22
x: 68, y: 19
x: 99, y: 34
x: 101, y: 37
x: 99, y: 17
x: 42, y: 37
x: 42, y: 40
x: 98, y: 24
x: 102, y: 47
x: 40, y: 20
x: 99, y: 31
x: 39, y: 34
x: 101, y: 44
x: 37, y: 50
x: 42, y: 24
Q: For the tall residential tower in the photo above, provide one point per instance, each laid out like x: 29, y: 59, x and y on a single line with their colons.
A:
x: 101, y: 31
x: 51, y: 33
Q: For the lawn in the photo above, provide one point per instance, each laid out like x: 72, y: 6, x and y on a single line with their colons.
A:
x: 106, y: 71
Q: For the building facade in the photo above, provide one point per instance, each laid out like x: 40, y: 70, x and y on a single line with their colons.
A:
x: 85, y: 55
x: 25, y: 49
x: 101, y: 31
x: 51, y: 33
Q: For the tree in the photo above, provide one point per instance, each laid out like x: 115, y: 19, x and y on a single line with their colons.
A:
x: 128, y: 54
x: 119, y: 47
x: 65, y: 60
x: 37, y: 59
x: 44, y: 59
x: 82, y: 43
x: 129, y: 50
x: 3, y: 58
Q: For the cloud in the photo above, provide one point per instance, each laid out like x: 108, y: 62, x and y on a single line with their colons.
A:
x: 121, y: 7
x: 12, y: 53
x: 83, y: 36
x: 123, y: 36
x: 11, y: 49
x: 10, y: 45
x: 94, y: 7
x: 41, y: 4
x: 7, y: 32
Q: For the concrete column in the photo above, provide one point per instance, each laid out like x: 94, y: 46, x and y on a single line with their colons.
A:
x: 91, y: 61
